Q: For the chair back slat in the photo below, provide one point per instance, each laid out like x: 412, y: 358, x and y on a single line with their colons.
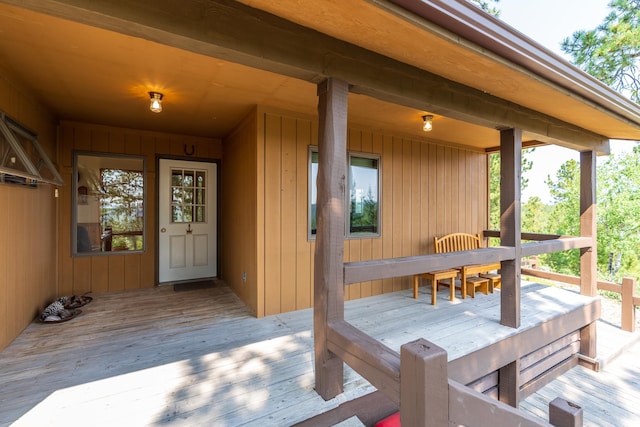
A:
x: 455, y: 242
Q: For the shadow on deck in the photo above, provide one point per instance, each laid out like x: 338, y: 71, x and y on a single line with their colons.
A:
x: 154, y: 357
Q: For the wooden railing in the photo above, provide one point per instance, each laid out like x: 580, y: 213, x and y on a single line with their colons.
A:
x: 627, y: 290
x: 420, y: 374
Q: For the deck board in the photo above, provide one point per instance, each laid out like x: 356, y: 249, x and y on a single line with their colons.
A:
x: 154, y: 356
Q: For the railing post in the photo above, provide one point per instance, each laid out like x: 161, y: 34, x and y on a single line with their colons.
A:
x: 628, y: 309
x: 424, y: 385
x: 565, y: 414
x: 510, y: 219
x: 328, y: 293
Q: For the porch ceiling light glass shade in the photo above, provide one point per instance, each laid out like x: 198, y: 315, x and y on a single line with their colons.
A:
x: 427, y: 126
x: 156, y: 102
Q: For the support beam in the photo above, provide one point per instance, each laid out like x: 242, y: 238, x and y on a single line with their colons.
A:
x: 219, y: 29
x: 328, y: 276
x: 509, y: 384
x: 588, y: 256
x: 510, y: 182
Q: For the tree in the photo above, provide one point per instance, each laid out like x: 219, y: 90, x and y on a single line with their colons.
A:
x: 565, y: 216
x: 494, y: 184
x: 487, y: 6
x: 610, y: 52
x: 618, y: 225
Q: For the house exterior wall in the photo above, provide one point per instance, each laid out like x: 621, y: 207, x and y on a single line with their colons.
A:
x: 115, y: 272
x: 27, y: 223
x: 239, y: 213
x: 427, y: 190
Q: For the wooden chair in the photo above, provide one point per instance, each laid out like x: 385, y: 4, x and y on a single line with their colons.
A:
x: 455, y: 242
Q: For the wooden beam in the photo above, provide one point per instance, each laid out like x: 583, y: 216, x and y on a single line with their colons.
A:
x: 548, y: 246
x: 362, y: 271
x: 588, y: 256
x: 510, y: 182
x: 466, y: 369
x: 374, y: 361
x: 220, y: 29
x: 424, y: 388
x: 328, y: 273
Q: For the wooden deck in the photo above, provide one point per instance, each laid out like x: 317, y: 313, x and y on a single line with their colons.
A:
x: 198, y: 357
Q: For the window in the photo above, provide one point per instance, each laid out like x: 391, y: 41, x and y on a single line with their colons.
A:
x: 22, y: 160
x: 109, y: 203
x: 362, y: 204
x: 188, y: 190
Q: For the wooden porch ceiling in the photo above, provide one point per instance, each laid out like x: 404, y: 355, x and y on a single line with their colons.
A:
x: 102, y: 75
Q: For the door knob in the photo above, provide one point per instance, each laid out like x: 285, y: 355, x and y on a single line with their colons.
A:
x: 163, y: 230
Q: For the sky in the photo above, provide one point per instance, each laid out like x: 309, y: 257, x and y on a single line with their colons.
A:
x: 548, y: 22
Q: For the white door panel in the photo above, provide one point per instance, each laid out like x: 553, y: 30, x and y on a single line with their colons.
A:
x: 187, y: 203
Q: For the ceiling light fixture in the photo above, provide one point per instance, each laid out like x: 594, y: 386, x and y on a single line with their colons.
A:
x: 428, y: 123
x: 156, y: 102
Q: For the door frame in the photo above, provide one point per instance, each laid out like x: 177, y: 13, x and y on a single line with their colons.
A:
x: 156, y: 232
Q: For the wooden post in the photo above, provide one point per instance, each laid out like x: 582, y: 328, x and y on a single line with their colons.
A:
x: 509, y: 384
x: 329, y: 274
x: 588, y: 256
x: 565, y: 414
x: 424, y: 385
x: 628, y: 309
x: 510, y: 184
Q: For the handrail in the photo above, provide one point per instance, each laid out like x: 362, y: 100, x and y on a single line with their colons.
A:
x: 627, y: 290
x: 425, y: 371
x: 555, y: 245
x: 526, y: 236
x: 362, y: 271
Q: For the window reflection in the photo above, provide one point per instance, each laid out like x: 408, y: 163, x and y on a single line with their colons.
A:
x: 109, y: 196
x: 188, y: 195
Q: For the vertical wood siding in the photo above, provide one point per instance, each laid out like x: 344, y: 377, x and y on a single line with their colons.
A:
x: 27, y: 224
x: 110, y: 273
x: 426, y: 190
x: 239, y: 214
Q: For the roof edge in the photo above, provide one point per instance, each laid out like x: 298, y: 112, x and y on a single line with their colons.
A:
x: 492, y: 34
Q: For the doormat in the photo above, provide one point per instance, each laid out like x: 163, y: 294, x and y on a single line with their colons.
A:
x: 192, y: 286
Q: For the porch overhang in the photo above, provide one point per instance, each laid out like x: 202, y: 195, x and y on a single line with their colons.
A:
x: 485, y: 76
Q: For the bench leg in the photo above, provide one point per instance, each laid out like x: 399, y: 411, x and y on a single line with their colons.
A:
x: 434, y: 291
x: 416, y: 280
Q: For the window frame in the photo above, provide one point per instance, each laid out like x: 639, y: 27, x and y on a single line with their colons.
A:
x: 18, y: 138
x: 312, y: 186
x: 75, y: 201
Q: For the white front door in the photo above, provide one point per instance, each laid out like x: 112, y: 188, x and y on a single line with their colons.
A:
x: 187, y: 203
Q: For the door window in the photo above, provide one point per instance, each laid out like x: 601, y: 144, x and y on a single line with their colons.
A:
x: 188, y: 191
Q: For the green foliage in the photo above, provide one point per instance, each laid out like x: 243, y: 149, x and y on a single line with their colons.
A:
x: 618, y: 222
x: 494, y: 184
x: 610, y: 52
x: 121, y: 204
x: 489, y: 6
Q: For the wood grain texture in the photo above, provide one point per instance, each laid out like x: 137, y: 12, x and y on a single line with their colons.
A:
x: 201, y: 358
x: 28, y: 229
x: 115, y: 272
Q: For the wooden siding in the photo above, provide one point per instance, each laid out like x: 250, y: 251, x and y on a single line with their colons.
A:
x: 427, y: 190
x: 27, y: 224
x: 108, y: 273
x: 238, y: 231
